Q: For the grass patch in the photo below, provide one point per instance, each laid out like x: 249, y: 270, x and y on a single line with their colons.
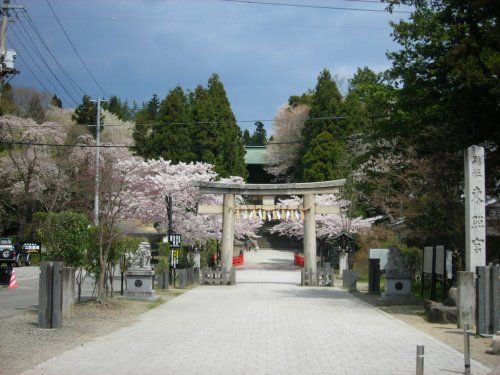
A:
x: 155, y: 304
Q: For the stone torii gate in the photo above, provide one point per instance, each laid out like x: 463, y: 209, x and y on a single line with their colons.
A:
x: 308, y: 210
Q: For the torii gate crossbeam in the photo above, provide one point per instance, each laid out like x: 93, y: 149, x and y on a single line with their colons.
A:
x: 268, y: 192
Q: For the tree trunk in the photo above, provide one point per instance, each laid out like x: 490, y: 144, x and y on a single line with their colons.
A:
x: 102, y: 268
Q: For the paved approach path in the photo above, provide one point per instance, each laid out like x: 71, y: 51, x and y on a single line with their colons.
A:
x: 266, y: 324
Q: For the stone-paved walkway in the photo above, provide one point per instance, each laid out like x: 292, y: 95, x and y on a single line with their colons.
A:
x: 266, y: 324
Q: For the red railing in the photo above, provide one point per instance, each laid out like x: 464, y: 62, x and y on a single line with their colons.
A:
x: 238, y: 260
x: 298, y: 260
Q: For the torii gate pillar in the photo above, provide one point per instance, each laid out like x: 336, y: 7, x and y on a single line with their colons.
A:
x: 227, y: 232
x: 308, y: 189
x: 310, y: 233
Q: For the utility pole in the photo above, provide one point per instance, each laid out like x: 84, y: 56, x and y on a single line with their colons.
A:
x: 97, y: 160
x: 7, y: 56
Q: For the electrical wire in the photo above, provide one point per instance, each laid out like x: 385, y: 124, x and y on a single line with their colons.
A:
x: 43, y: 144
x: 32, y: 72
x: 75, y: 50
x: 26, y: 50
x: 73, y: 83
x: 324, y: 7
x: 39, y: 54
x: 76, y: 86
x: 209, y: 122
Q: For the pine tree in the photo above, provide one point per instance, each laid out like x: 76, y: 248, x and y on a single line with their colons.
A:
x: 217, y: 137
x: 86, y: 114
x: 321, y: 158
x: 326, y: 101
x: 247, y: 138
x: 144, y: 119
x: 259, y: 136
x: 171, y: 135
x: 56, y: 102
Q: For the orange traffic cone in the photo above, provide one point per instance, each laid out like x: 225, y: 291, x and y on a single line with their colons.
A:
x: 13, y: 282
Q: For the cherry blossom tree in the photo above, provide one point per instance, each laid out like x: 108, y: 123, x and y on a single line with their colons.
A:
x: 32, y: 169
x: 283, y: 155
x: 155, y: 179
x: 329, y: 225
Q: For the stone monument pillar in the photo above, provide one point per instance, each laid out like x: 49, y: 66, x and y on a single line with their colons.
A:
x: 343, y: 265
x: 140, y: 275
x: 475, y: 214
x: 310, y: 235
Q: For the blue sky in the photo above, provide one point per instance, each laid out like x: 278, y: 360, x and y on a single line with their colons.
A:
x: 262, y: 53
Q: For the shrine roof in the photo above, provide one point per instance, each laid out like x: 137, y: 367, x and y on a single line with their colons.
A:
x: 256, y: 155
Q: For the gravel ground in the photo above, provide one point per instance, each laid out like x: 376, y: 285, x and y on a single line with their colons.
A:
x: 23, y: 345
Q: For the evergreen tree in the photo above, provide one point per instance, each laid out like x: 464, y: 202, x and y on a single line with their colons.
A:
x: 321, y: 158
x: 199, y: 126
x: 246, y: 139
x: 259, y: 136
x: 171, y: 135
x: 305, y: 99
x: 86, y: 114
x: 217, y: 136
x: 326, y: 101
x: 118, y: 108
x: 145, y: 118
x: 56, y: 102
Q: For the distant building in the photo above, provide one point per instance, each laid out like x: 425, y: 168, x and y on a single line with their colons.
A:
x: 255, y: 160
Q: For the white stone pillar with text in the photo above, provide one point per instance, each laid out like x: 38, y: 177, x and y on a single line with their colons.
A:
x: 475, y: 213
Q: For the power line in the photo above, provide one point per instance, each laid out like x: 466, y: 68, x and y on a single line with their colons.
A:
x: 225, y: 22
x: 39, y: 54
x: 32, y: 59
x: 39, y: 35
x: 43, y: 144
x: 75, y: 50
x: 33, y: 73
x: 75, y: 85
x: 207, y: 122
x: 324, y: 7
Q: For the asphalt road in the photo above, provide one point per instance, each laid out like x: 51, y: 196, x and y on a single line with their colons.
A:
x: 16, y: 301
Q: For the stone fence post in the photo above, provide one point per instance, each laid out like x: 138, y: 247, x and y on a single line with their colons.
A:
x: 50, y: 295
x: 68, y: 297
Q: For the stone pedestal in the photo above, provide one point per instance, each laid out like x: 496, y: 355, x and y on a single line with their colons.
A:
x: 140, y: 284
x: 349, y: 280
x: 397, y: 289
x: 495, y: 344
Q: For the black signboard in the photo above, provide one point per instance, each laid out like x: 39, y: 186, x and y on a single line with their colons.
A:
x: 174, y: 240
